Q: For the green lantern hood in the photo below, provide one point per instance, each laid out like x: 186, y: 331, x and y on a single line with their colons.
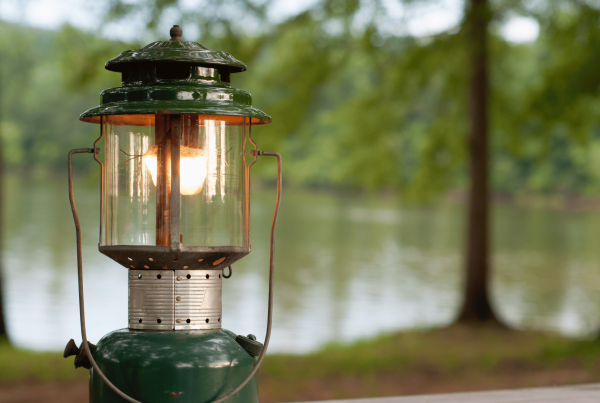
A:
x: 175, y: 77
x: 176, y: 52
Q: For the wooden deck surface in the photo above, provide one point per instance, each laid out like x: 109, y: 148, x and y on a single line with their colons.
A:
x: 589, y: 393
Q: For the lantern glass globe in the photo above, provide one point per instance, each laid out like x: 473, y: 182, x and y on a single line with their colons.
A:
x: 213, y: 170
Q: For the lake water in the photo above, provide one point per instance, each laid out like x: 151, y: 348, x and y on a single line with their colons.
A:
x: 347, y: 267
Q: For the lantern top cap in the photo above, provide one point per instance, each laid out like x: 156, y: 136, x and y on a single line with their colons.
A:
x: 176, y: 51
x: 176, y: 33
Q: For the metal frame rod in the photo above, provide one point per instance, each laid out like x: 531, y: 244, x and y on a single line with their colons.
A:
x: 271, y: 282
x: 102, y: 181
x: 85, y: 344
x: 80, y: 279
x: 175, y: 203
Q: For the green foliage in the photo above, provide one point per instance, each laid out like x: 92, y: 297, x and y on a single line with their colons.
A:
x: 351, y: 107
x: 81, y: 58
x: 546, y: 130
x: 39, y: 113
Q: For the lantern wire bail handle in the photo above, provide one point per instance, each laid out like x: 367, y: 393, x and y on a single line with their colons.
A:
x: 85, y: 343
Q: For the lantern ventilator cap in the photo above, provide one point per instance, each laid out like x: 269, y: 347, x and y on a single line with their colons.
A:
x: 176, y: 32
x: 176, y: 50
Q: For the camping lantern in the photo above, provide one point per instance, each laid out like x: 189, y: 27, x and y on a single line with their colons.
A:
x: 175, y: 150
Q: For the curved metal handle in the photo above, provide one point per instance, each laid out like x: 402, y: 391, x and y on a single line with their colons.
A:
x: 85, y: 344
x: 80, y: 280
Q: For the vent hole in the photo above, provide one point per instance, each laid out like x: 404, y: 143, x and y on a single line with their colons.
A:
x: 207, y: 320
x: 140, y: 320
x: 139, y: 276
x: 158, y: 276
x: 219, y: 261
x: 225, y: 76
x: 173, y: 71
x: 219, y: 319
x: 158, y: 320
x: 207, y: 276
x: 188, y: 277
x: 188, y: 321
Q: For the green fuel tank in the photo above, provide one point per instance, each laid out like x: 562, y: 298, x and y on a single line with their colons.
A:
x: 172, y: 366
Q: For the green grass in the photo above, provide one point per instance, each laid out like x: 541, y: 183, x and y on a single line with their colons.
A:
x: 445, y: 350
x: 23, y: 365
x: 452, y: 359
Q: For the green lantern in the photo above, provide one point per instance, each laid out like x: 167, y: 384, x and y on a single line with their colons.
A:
x: 175, y: 150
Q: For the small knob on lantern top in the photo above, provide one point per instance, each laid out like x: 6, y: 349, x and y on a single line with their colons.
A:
x: 176, y: 32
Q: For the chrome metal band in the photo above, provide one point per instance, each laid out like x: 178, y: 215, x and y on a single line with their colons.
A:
x: 175, y: 299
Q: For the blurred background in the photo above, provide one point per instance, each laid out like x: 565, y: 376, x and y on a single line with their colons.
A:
x: 370, y: 106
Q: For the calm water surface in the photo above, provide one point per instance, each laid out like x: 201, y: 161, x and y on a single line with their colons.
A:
x: 348, y: 267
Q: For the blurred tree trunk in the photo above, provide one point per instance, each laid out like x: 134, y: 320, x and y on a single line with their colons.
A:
x: 476, y: 304
x: 3, y: 334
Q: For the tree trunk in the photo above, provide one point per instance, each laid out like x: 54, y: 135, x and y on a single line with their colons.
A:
x: 476, y: 305
x: 3, y: 334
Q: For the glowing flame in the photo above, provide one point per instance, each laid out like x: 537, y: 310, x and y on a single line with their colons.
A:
x: 192, y: 168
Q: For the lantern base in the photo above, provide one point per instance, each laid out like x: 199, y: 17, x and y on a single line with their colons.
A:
x: 163, y: 366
